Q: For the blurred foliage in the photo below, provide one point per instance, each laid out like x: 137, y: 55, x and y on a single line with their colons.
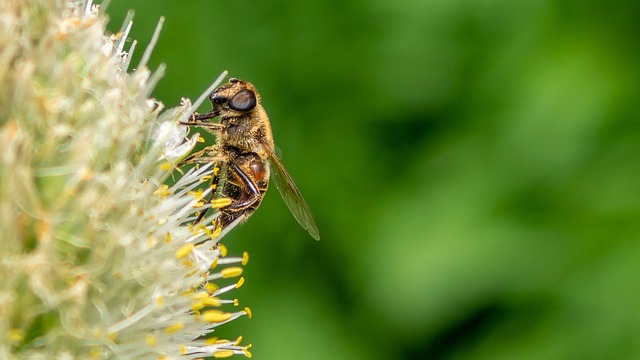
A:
x: 473, y: 166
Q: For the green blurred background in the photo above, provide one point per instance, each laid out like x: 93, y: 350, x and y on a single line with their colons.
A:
x: 474, y: 167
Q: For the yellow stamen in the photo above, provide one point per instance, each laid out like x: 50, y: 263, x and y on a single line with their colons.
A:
x: 151, y: 340
x: 15, y: 335
x: 215, y: 316
x: 223, y: 250
x: 231, y: 272
x: 220, y: 203
x: 162, y: 191
x: 113, y: 336
x: 174, y: 328
x: 245, y: 258
x: 184, y: 250
x: 223, y: 354
x: 216, y: 232
x: 238, y: 341
x: 212, y: 301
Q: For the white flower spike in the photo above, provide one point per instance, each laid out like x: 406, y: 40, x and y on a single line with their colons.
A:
x: 98, y: 258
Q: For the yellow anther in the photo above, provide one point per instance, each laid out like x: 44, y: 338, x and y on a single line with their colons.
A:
x: 214, y: 186
x: 184, y: 251
x: 166, y: 166
x: 221, y: 202
x: 211, y: 287
x: 240, y: 282
x: 236, y: 302
x: 223, y: 354
x: 215, y: 316
x: 197, y: 194
x: 245, y: 258
x: 174, y: 328
x: 205, y: 230
x: 113, y: 336
x: 238, y: 341
x: 151, y: 340
x: 168, y: 239
x: 95, y: 353
x: 211, y: 341
x: 163, y: 190
x: 246, y: 351
x: 160, y: 301
x: 199, y: 204
x: 200, y: 139
x: 216, y: 232
x: 189, y: 292
x: 188, y: 265
x: 206, y: 301
x: 231, y: 272
x: 199, y: 296
x: 248, y: 311
x: 183, y: 350
x: 15, y: 335
x: 212, y: 301
x: 216, y: 170
x: 223, y: 250
x: 205, y: 178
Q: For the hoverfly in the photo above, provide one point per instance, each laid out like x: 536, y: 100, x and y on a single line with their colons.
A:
x: 244, y: 156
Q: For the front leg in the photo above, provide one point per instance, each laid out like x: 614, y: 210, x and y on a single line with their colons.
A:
x: 205, y: 156
x: 211, y: 128
x: 197, y: 120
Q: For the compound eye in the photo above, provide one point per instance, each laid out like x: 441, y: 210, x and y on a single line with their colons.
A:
x: 244, y: 100
x: 218, y: 99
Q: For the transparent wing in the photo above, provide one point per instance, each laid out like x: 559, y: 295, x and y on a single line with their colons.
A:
x: 291, y: 195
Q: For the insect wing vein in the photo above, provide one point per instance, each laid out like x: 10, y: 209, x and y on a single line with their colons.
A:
x: 291, y: 196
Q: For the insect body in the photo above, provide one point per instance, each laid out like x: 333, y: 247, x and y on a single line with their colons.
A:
x: 244, y: 154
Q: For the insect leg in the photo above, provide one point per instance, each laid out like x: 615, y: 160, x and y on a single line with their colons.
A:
x: 251, y: 186
x: 213, y: 185
x: 202, y: 213
x: 206, y: 125
x: 199, y: 117
x: 205, y: 156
